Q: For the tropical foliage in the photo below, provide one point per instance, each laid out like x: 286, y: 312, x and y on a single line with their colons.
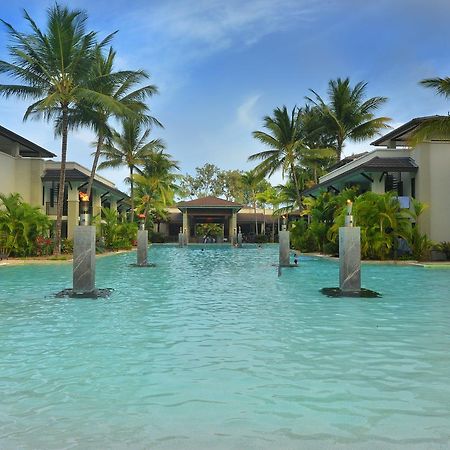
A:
x: 254, y: 183
x: 54, y: 67
x: 130, y: 148
x: 156, y: 186
x: 348, y: 114
x: 210, y: 180
x: 24, y: 228
x: 117, y: 233
x: 69, y: 76
x: 384, y: 225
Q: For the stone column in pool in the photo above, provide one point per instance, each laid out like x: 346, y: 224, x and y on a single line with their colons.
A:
x: 349, y: 254
x: 142, y: 242
x: 181, y: 238
x: 186, y: 227
x: 284, y: 245
x: 84, y: 259
x: 239, y: 238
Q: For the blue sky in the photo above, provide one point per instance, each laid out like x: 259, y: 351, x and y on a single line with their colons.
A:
x: 222, y: 65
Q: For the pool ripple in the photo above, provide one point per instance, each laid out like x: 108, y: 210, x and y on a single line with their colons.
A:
x: 211, y: 349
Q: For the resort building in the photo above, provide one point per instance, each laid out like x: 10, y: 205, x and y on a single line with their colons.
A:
x: 420, y: 172
x: 229, y: 215
x: 25, y: 168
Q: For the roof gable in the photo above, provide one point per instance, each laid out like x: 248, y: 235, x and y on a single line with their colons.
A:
x: 403, y: 133
x: 26, y: 147
x: 208, y: 202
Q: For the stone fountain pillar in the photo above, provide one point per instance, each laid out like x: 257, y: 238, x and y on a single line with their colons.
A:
x: 142, y: 245
x: 239, y: 238
x: 349, y: 254
x: 181, y: 238
x: 84, y: 260
x: 349, y: 262
x: 83, y: 284
x: 284, y: 246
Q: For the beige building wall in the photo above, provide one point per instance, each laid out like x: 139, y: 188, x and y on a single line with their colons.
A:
x: 22, y: 175
x: 433, y: 188
x: 377, y: 185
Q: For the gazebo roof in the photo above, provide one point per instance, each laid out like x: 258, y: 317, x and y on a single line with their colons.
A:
x: 209, y: 202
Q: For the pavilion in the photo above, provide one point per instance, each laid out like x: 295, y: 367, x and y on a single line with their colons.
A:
x: 231, y: 216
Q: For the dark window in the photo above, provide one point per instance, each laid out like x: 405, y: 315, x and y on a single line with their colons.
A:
x: 388, y: 183
x: 413, y: 187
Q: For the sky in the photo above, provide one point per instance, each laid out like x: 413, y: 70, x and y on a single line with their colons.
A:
x: 221, y: 66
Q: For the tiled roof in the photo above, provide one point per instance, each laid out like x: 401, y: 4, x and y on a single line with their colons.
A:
x: 77, y: 175
x: 402, y: 133
x: 391, y: 164
x: 346, y: 160
x: 71, y: 175
x: 376, y: 164
x: 208, y: 202
x: 27, y: 148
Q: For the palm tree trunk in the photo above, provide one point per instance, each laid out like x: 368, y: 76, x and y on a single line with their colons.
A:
x: 94, y: 164
x: 339, y: 146
x: 264, y: 217
x: 132, y: 195
x: 256, y: 218
x: 62, y: 180
x: 297, y: 187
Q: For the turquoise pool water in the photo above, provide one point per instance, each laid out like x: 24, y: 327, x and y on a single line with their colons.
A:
x: 211, y: 350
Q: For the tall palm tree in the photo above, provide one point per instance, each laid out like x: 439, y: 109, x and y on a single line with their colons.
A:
x: 347, y: 115
x: 317, y: 160
x: 272, y: 196
x: 120, y: 86
x: 54, y: 67
x: 130, y: 149
x: 437, y: 127
x: 251, y: 180
x: 284, y: 140
x: 156, y: 182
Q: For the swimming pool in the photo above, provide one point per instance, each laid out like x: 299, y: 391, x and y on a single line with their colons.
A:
x: 210, y: 349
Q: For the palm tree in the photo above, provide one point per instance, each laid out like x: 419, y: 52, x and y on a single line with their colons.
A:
x: 130, y: 149
x: 54, y: 67
x: 251, y: 180
x: 348, y: 115
x: 121, y: 88
x: 155, y: 183
x: 436, y: 127
x: 273, y: 198
x: 284, y: 140
x: 317, y: 160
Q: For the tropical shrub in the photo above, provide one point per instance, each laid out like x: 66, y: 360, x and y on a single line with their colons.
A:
x: 67, y: 246
x: 44, y: 246
x: 261, y: 239
x: 382, y: 222
x: 117, y: 235
x: 445, y: 248
x: 24, y: 228
x: 302, y: 238
x: 208, y: 229
x: 384, y: 225
x: 156, y: 237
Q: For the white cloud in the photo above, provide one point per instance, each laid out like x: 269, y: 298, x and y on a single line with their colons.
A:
x: 217, y: 24
x: 246, y: 114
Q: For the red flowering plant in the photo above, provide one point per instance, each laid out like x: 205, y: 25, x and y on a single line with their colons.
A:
x: 44, y: 246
